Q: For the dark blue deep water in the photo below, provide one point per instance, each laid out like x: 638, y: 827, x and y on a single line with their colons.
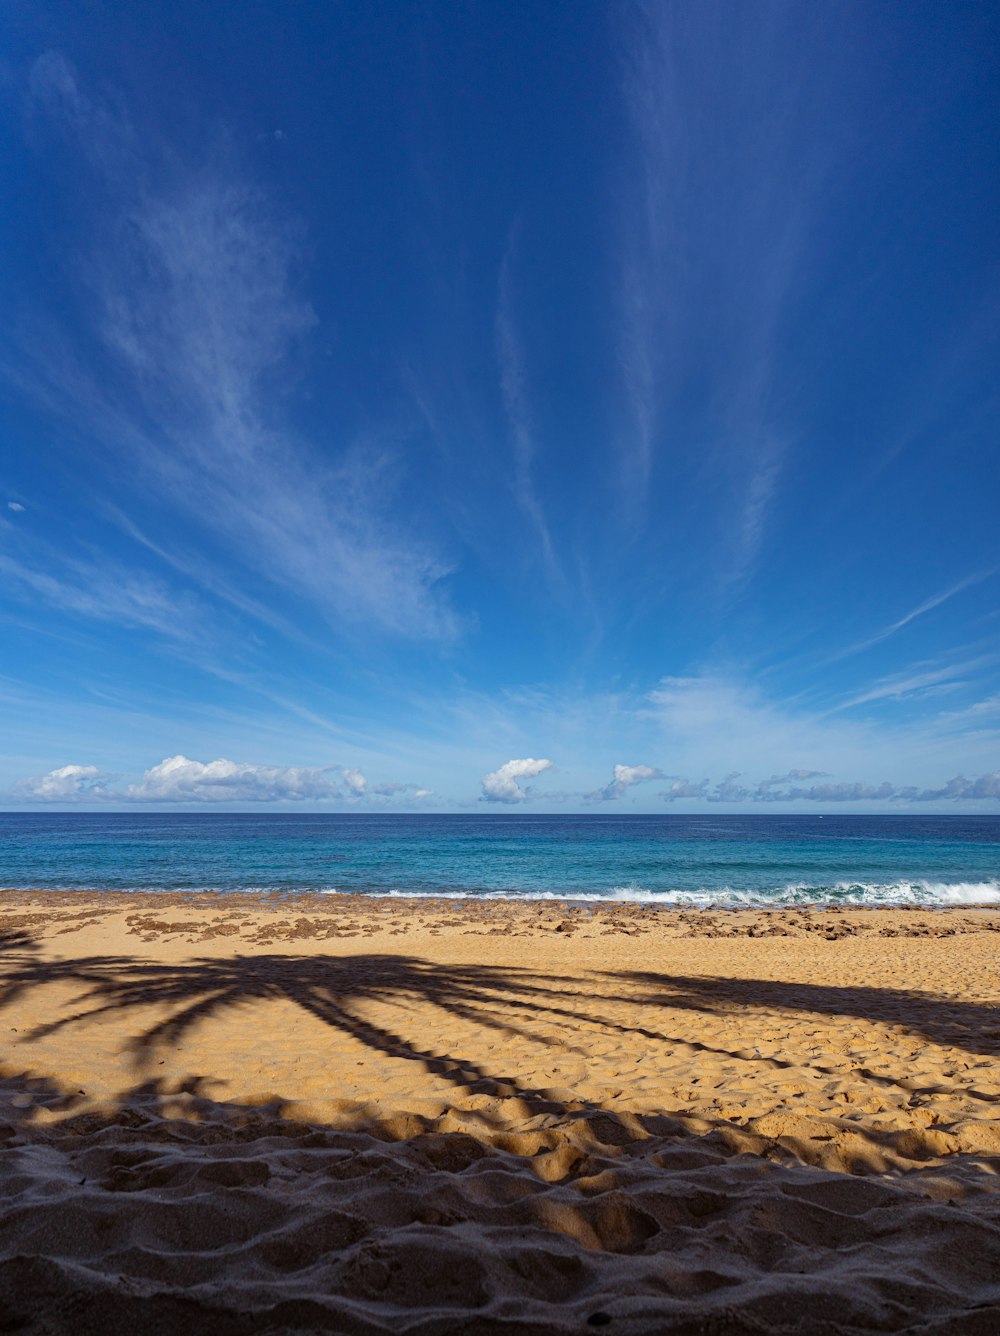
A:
x: 669, y: 859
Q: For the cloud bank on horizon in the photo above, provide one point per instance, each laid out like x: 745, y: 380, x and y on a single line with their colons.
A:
x: 591, y: 418
x: 177, y: 779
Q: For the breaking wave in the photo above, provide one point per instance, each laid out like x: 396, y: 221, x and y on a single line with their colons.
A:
x: 895, y: 893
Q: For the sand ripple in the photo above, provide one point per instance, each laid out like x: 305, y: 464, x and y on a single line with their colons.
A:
x: 233, y: 1123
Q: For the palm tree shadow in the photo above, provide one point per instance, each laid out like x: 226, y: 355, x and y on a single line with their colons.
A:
x: 335, y: 991
x: 971, y: 1026
x: 151, y: 1144
x: 16, y: 939
x: 511, y: 1002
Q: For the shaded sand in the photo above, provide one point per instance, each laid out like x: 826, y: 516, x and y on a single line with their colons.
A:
x: 332, y: 1114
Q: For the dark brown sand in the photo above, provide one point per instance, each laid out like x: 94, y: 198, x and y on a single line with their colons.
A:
x: 336, y: 1114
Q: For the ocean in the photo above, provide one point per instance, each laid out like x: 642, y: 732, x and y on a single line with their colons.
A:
x: 685, y: 860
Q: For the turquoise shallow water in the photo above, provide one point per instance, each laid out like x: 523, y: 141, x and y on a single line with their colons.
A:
x: 695, y: 860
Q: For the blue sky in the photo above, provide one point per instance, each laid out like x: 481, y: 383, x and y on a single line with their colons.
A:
x: 561, y: 407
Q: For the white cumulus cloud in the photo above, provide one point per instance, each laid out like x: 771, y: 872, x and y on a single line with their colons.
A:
x: 68, y: 783
x: 180, y: 780
x: 684, y: 788
x: 986, y: 786
x: 359, y: 787
x: 624, y: 776
x: 501, y: 786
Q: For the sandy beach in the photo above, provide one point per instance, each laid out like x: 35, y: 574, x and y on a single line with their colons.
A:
x: 339, y: 1114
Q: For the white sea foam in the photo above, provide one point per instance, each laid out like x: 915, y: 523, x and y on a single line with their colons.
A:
x: 902, y: 892
x: 928, y: 893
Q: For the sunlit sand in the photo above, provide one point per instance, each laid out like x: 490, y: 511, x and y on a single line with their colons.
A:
x: 427, y: 1116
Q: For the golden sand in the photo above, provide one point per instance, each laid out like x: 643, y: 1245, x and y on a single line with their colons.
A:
x: 340, y: 1114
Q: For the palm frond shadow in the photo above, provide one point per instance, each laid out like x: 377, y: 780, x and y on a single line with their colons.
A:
x: 557, y: 1011
x: 336, y: 990
x: 971, y: 1026
x: 16, y: 939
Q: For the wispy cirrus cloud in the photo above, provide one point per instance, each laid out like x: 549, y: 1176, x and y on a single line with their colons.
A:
x: 929, y: 681
x: 723, y: 724
x: 193, y: 299
x: 721, y: 721
x: 105, y: 591
x: 514, y: 388
x: 921, y: 609
x: 728, y: 721
x: 197, y: 571
x: 980, y: 718
x: 651, y: 236
x: 720, y: 186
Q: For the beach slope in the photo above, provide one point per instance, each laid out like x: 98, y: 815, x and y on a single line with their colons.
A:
x: 354, y: 1115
